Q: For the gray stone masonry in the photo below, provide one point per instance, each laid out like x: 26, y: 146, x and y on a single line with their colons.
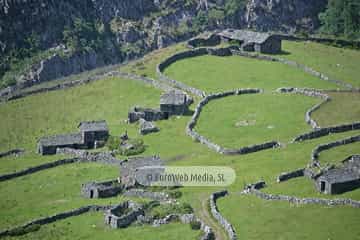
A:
x: 296, y: 200
x: 147, y: 127
x: 289, y: 175
x: 16, y: 152
x: 217, y: 215
x: 101, y: 189
x: 56, y: 217
x: 123, y: 214
x: 326, y: 131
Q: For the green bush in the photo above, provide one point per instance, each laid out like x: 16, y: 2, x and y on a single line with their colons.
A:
x: 195, y: 225
x: 138, y: 147
x: 113, y: 143
x: 162, y: 211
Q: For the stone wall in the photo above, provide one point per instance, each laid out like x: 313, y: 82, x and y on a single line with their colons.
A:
x: 296, y: 200
x: 315, y: 153
x: 294, y: 64
x: 199, y: 138
x: 212, y: 40
x: 15, y: 152
x: 54, y: 218
x: 38, y: 168
x: 86, y: 156
x: 80, y: 156
x: 217, y: 215
x: 289, y: 175
x: 16, y: 93
x: 326, y: 131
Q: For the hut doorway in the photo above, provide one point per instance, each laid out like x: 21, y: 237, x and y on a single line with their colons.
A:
x: 322, y: 186
x: 91, y: 193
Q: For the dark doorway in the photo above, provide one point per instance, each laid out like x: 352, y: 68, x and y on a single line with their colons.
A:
x: 322, y: 186
x: 91, y: 193
x: 109, y: 220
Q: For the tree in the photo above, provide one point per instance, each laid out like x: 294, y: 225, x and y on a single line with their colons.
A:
x: 341, y: 18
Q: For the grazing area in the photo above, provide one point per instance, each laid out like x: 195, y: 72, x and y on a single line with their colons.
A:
x: 284, y: 220
x: 212, y: 74
x: 232, y: 121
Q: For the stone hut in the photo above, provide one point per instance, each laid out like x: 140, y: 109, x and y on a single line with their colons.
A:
x: 123, y: 214
x: 48, y: 145
x: 93, y: 132
x: 253, y: 41
x: 129, y: 167
x: 90, y: 135
x: 101, y: 189
x: 173, y: 103
x: 147, y: 114
x: 340, y: 179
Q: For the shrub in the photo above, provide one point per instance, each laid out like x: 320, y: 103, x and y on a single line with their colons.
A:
x: 195, y: 225
x: 138, y: 147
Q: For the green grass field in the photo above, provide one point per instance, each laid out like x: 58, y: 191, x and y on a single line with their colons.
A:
x: 232, y: 121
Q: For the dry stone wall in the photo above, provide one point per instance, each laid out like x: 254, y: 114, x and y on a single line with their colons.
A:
x: 217, y: 215
x: 296, y: 200
x: 316, y: 152
x: 81, y: 156
x: 54, y: 218
x: 16, y: 94
x: 326, y: 131
x: 289, y: 175
x: 15, y: 152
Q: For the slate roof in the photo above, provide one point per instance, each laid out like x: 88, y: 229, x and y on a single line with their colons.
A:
x: 93, y: 126
x: 173, y: 98
x: 132, y: 164
x: 61, y: 140
x: 245, y: 35
x: 348, y: 172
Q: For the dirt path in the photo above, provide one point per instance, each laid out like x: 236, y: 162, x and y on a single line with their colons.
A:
x: 205, y: 215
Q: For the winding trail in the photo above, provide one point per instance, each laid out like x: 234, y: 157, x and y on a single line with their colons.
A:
x: 208, y: 219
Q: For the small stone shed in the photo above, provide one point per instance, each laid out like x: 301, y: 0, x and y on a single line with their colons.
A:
x: 173, y: 103
x: 90, y: 134
x: 147, y: 114
x: 48, y: 145
x: 340, y: 179
x: 123, y: 214
x: 129, y: 167
x: 93, y: 131
x: 101, y: 189
x: 253, y: 41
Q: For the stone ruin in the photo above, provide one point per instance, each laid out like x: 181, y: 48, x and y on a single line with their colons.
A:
x: 173, y: 102
x: 123, y: 214
x: 92, y: 135
x: 129, y: 167
x: 101, y: 189
x: 147, y: 127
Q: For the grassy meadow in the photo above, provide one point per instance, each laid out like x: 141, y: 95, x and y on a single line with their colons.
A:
x: 232, y: 121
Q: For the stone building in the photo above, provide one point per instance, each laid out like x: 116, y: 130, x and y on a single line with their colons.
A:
x: 173, y: 103
x: 48, y: 145
x: 90, y: 135
x: 123, y: 214
x: 147, y: 114
x: 253, y: 41
x: 101, y: 189
x: 93, y: 131
x: 129, y: 167
x: 340, y: 179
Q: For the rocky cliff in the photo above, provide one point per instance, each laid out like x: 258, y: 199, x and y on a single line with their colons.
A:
x: 139, y: 26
